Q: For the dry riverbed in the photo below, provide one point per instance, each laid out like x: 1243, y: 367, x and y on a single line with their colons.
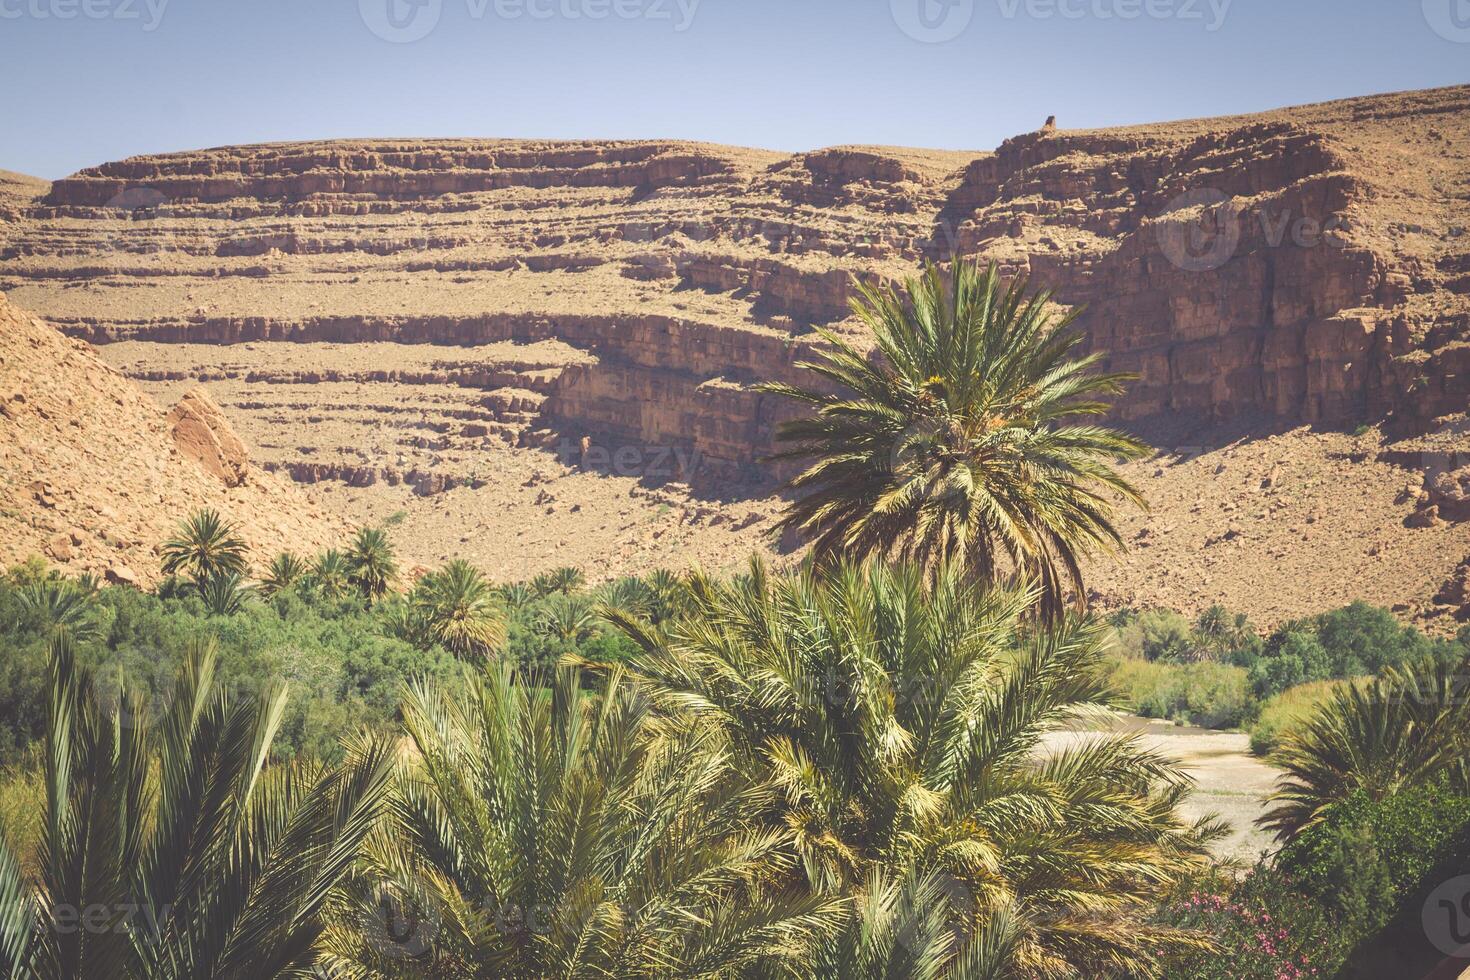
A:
x: 1230, y: 782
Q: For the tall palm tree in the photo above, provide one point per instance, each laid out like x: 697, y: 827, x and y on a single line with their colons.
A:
x: 370, y: 563
x: 169, y: 849
x: 460, y: 611
x: 570, y: 836
x: 1407, y: 728
x: 962, y: 441
x: 285, y: 571
x: 904, y: 719
x: 205, y: 545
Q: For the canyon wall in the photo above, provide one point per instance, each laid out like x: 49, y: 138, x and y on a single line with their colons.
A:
x: 1269, y: 266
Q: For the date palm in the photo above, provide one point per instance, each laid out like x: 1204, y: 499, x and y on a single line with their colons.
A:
x: 370, y: 563
x: 564, y: 580
x: 285, y: 571
x: 963, y: 441
x: 905, y: 719
x: 169, y: 850
x: 460, y: 612
x: 205, y: 545
x: 224, y: 593
x: 62, y: 606
x: 1407, y: 728
x: 567, y: 619
x: 330, y: 574
x: 556, y: 834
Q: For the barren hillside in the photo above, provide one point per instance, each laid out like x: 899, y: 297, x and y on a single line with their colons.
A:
x: 96, y: 474
x: 544, y: 352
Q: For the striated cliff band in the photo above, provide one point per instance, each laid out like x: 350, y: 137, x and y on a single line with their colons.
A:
x: 544, y: 352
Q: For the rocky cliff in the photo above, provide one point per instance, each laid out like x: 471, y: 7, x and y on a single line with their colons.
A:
x: 585, y: 299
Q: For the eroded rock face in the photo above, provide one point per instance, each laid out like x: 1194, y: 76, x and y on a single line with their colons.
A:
x: 1258, y: 265
x: 442, y: 314
x: 203, y: 434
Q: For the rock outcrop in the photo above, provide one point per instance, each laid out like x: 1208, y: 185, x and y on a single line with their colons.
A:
x: 96, y: 475
x: 202, y: 433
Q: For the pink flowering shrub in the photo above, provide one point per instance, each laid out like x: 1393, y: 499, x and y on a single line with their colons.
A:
x: 1263, y: 928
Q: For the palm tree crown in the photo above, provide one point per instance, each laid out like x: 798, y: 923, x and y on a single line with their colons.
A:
x: 370, y: 563
x: 205, y: 545
x: 552, y: 834
x: 460, y: 611
x: 960, y: 442
x: 1407, y: 728
x: 904, y: 720
x: 187, y: 855
x: 285, y: 571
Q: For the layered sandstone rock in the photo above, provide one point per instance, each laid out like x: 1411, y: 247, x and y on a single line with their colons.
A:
x: 1302, y: 266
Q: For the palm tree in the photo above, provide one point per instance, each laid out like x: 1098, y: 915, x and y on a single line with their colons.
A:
x: 169, y: 850
x: 570, y: 836
x: 285, y: 571
x: 459, y: 611
x: 516, y: 595
x: 330, y: 574
x: 370, y: 563
x: 204, y: 546
x: 564, y: 580
x: 567, y: 619
x: 904, y: 719
x: 1407, y: 728
x: 224, y: 593
x: 62, y: 606
x: 961, y: 442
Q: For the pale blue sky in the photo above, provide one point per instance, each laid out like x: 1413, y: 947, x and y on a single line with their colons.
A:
x: 86, y: 81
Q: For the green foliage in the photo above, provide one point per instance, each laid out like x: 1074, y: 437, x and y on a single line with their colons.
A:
x: 1287, y: 711
x: 169, y: 849
x: 1406, y: 729
x: 1210, y: 695
x: 1357, y: 640
x: 345, y: 669
x: 967, y: 441
x: 1368, y: 858
x: 901, y: 724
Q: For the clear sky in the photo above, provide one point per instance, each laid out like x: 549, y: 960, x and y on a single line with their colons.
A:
x: 86, y: 81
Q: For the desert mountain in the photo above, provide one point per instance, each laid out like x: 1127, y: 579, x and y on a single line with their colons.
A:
x: 96, y: 474
x: 544, y: 352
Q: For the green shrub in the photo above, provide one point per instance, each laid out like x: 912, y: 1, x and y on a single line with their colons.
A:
x: 1285, y: 710
x: 1210, y: 695
x: 1263, y: 926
